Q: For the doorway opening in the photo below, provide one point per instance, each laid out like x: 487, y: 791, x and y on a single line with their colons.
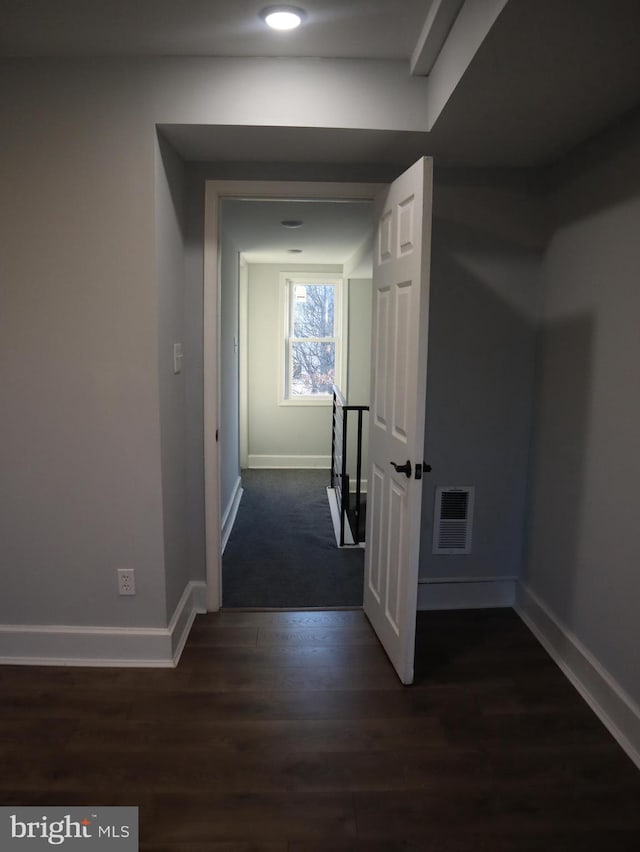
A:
x: 295, y: 307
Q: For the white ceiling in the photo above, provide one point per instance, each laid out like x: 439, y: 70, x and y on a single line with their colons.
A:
x: 331, y: 232
x: 351, y: 29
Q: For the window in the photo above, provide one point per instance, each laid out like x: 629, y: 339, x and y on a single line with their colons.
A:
x: 312, y: 352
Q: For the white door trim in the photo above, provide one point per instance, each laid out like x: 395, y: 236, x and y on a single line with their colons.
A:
x: 243, y: 352
x: 215, y: 191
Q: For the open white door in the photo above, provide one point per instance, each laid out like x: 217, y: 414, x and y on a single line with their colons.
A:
x: 397, y: 418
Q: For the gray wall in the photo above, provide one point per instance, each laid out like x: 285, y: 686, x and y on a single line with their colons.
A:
x: 80, y: 324
x: 170, y: 277
x: 485, y: 289
x: 80, y: 452
x: 583, y: 553
x: 194, y: 371
x: 229, y: 375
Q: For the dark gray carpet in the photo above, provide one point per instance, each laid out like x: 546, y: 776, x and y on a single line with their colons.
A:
x: 282, y: 550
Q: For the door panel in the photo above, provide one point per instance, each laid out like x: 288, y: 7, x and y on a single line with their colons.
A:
x: 380, y: 347
x: 398, y: 393
x: 401, y: 362
x: 376, y: 543
x: 397, y: 504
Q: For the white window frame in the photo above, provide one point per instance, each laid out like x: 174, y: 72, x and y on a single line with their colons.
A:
x: 288, y: 282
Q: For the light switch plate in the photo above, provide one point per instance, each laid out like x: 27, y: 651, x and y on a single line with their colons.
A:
x: 177, y: 358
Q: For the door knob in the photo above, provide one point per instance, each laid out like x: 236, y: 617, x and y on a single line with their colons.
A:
x: 402, y: 468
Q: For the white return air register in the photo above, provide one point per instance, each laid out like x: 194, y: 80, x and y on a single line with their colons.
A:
x: 453, y: 519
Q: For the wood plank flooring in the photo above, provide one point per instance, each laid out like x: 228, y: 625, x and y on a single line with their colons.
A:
x: 289, y: 732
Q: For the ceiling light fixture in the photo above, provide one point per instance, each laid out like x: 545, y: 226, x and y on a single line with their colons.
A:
x: 283, y: 17
x: 292, y: 223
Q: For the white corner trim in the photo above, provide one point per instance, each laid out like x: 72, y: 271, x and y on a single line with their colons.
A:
x: 243, y: 359
x: 335, y: 519
x: 70, y: 645
x: 290, y: 462
x: 437, y: 26
x: 466, y: 592
x: 608, y: 700
x: 229, y: 517
x: 192, y: 602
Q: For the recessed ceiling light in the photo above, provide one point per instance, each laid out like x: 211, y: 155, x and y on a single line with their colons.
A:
x: 295, y: 251
x: 283, y: 17
x: 292, y: 223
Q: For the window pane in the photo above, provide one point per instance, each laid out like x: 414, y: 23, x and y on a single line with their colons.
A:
x: 313, y: 310
x: 313, y: 367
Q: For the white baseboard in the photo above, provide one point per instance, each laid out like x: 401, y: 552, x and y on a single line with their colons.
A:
x: 192, y: 602
x: 466, y: 592
x: 142, y: 647
x: 608, y: 700
x: 290, y: 462
x: 229, y: 516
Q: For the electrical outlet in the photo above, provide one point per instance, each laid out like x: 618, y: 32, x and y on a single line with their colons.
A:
x: 126, y: 581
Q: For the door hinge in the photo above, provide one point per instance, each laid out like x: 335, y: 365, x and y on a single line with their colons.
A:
x: 217, y: 435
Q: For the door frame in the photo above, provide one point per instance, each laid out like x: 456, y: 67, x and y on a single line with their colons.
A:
x: 215, y: 192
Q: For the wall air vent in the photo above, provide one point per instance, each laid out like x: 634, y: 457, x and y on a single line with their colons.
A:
x: 453, y: 519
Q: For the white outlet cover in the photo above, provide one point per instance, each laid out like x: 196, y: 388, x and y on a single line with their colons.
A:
x: 126, y: 581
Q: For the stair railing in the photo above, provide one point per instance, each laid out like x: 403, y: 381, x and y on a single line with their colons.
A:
x: 339, y: 476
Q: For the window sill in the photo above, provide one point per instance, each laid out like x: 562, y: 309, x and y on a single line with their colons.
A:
x: 307, y: 402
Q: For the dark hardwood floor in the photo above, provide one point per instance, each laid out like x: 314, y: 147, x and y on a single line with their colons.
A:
x: 289, y: 732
